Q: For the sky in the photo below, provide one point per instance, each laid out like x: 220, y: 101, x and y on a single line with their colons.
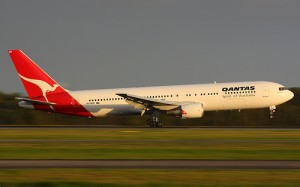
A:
x: 95, y: 44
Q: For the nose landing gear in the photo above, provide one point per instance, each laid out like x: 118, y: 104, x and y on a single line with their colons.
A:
x: 272, y: 112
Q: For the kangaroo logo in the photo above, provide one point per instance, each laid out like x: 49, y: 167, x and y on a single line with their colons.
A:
x: 44, y: 86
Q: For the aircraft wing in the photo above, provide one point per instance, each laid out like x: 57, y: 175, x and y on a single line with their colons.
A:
x: 37, y: 102
x: 143, y: 102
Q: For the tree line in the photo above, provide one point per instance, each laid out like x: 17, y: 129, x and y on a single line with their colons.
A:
x: 287, y: 115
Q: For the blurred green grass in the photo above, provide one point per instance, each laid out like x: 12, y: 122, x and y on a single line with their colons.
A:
x: 191, y: 143
x: 220, y: 144
x: 147, y: 177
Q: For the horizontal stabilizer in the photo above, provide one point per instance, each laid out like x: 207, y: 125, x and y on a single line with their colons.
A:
x: 37, y: 102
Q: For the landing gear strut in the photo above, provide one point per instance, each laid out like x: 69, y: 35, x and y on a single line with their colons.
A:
x: 272, y: 111
x: 154, y: 121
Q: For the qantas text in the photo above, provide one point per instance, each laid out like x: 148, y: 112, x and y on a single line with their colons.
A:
x: 241, y: 88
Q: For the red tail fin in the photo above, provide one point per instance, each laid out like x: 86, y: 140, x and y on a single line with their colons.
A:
x: 36, y: 82
x: 44, y: 93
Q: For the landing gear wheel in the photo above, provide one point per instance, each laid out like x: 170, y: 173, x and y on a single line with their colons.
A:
x: 159, y: 124
x: 152, y: 124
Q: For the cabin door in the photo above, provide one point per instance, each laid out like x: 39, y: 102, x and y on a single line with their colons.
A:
x: 265, y: 92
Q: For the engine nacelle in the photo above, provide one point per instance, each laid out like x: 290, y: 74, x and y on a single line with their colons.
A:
x: 194, y: 110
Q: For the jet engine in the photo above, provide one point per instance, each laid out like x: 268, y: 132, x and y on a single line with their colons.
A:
x: 194, y: 110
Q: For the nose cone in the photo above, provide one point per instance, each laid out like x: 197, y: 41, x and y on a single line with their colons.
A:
x: 289, y: 95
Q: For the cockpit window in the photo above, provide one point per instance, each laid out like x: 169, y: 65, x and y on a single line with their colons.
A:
x: 282, y: 88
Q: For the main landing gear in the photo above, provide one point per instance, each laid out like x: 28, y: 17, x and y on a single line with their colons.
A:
x: 272, y: 111
x: 154, y: 121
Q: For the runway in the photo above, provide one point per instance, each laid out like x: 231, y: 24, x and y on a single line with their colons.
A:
x: 38, y: 141
x: 151, y: 164
x: 145, y: 127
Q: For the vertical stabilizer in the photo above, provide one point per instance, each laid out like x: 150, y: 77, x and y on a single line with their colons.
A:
x: 36, y: 82
x: 44, y: 92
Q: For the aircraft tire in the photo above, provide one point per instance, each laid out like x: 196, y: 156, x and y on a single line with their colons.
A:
x: 152, y: 124
x: 159, y: 124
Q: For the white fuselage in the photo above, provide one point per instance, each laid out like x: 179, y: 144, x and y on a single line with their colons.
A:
x: 214, y: 97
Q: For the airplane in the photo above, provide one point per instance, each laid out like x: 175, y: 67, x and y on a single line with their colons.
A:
x: 184, y: 101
